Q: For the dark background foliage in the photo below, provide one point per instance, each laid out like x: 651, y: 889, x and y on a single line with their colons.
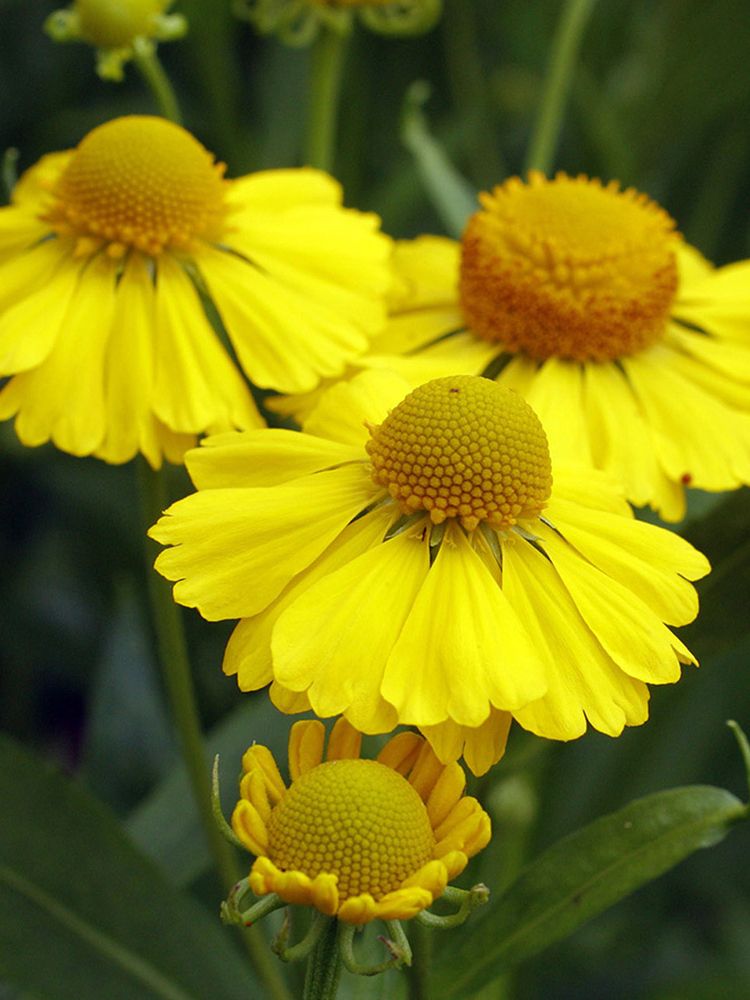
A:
x: 661, y: 100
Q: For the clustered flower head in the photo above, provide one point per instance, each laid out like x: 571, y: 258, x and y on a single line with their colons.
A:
x: 116, y: 29
x: 357, y: 839
x: 415, y: 558
x: 106, y: 254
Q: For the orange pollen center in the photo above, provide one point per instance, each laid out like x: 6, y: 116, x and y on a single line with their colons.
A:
x: 464, y: 447
x: 139, y: 182
x: 356, y: 819
x: 568, y: 268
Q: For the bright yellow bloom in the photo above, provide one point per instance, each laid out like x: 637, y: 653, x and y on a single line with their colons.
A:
x: 297, y: 22
x: 632, y: 349
x: 115, y: 28
x: 104, y: 257
x: 414, y: 558
x: 359, y: 839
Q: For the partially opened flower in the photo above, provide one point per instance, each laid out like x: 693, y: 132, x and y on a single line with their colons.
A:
x: 358, y: 839
x: 297, y: 22
x: 632, y: 349
x: 408, y: 558
x: 106, y: 257
x: 115, y: 28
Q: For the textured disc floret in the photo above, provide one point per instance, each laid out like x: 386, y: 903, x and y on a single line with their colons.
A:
x: 139, y: 182
x: 356, y: 819
x: 568, y: 268
x: 463, y: 447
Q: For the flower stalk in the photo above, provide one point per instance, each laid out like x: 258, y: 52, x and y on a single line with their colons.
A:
x: 149, y: 66
x: 326, y: 73
x: 175, y: 666
x: 565, y: 47
x: 324, y: 966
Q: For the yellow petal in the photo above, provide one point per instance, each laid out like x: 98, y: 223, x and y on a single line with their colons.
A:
x: 234, y: 550
x: 446, y: 793
x: 556, y: 396
x: 263, y: 458
x: 250, y: 828
x: 63, y: 399
x: 583, y: 680
x: 305, y: 747
x: 401, y: 751
x: 628, y: 630
x: 697, y: 437
x: 334, y: 639
x: 481, y: 746
x: 462, y: 647
x: 277, y: 190
x: 427, y: 269
x: 621, y: 441
x: 344, y: 742
x: 652, y: 562
x: 196, y: 385
x: 36, y: 289
x: 284, y: 340
x: 343, y: 412
x: 248, y: 652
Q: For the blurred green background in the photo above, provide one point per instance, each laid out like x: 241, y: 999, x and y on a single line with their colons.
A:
x: 661, y: 100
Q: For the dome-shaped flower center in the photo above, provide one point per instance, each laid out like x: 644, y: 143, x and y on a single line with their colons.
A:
x: 463, y: 447
x: 568, y: 268
x: 112, y: 24
x: 357, y: 819
x: 139, y: 182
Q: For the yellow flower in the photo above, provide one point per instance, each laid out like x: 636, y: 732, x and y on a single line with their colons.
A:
x: 115, y: 28
x: 409, y: 560
x: 297, y: 22
x: 105, y: 255
x: 632, y: 349
x: 358, y: 839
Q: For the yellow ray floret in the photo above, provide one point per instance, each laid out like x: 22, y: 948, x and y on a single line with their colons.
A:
x: 359, y: 839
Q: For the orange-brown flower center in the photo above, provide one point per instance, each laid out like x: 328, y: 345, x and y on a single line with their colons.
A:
x: 568, y: 268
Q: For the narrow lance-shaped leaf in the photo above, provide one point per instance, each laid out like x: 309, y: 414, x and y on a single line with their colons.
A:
x: 582, y: 875
x: 83, y: 914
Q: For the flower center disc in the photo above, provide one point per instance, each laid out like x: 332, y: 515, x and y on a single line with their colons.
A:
x: 139, y: 182
x: 568, y: 268
x: 357, y: 819
x: 464, y: 447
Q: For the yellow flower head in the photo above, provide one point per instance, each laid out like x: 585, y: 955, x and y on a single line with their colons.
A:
x: 115, y: 27
x: 297, y: 22
x: 413, y: 558
x: 359, y: 839
x: 631, y: 348
x: 104, y: 256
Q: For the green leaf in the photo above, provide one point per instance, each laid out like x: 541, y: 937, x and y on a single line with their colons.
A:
x: 584, y: 874
x: 83, y: 914
x: 453, y: 197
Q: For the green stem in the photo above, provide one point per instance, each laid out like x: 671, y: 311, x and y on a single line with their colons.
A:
x: 324, y: 966
x: 565, y: 47
x: 418, y: 973
x: 152, y: 71
x: 326, y: 73
x: 175, y: 665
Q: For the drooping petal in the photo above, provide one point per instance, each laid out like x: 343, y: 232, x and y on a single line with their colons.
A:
x: 285, y: 340
x: 480, y: 746
x: 234, y: 550
x: 334, y: 639
x: 583, y: 680
x: 462, y: 648
x: 629, y: 631
x: 698, y: 439
x: 196, y: 385
x: 248, y: 652
x: 63, y: 399
x: 653, y: 563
